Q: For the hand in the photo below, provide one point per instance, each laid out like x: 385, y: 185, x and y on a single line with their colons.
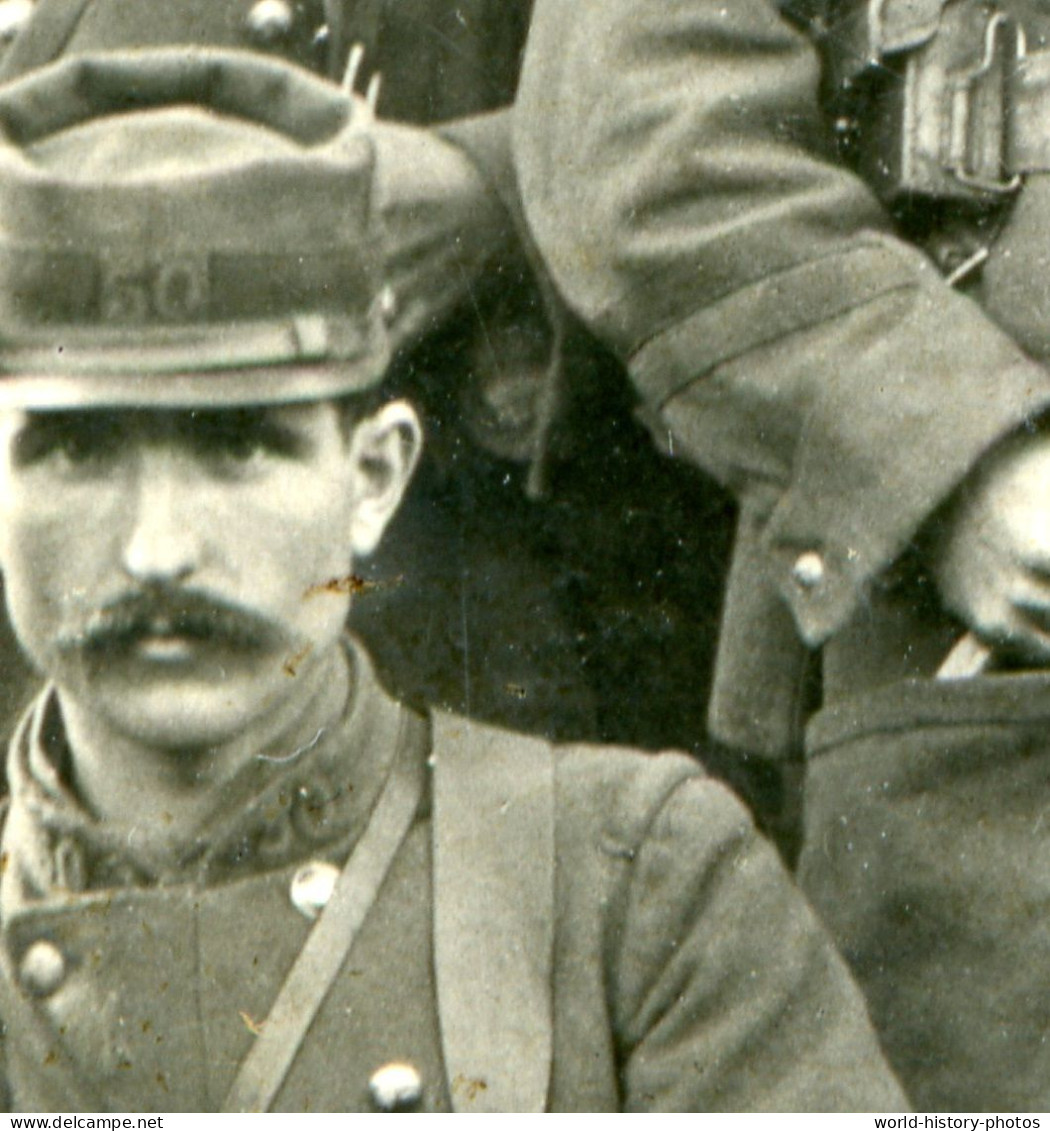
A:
x: 443, y: 221
x: 992, y: 561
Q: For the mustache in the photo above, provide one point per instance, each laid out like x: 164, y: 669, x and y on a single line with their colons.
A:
x: 161, y: 611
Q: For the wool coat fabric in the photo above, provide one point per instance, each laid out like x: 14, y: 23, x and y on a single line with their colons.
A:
x: 678, y: 177
x: 679, y: 181
x: 926, y: 854
x: 687, y: 972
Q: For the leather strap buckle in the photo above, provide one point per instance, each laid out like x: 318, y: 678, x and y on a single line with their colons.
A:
x: 979, y: 111
x: 933, y: 117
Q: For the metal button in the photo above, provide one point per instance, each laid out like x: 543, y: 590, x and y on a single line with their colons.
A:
x: 14, y: 15
x: 43, y: 968
x: 387, y: 304
x: 269, y: 21
x: 808, y: 571
x: 396, y: 1087
x: 312, y: 887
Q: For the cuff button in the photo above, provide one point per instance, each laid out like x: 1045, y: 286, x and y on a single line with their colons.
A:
x: 809, y: 571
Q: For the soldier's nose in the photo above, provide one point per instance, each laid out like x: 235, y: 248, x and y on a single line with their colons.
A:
x: 161, y: 542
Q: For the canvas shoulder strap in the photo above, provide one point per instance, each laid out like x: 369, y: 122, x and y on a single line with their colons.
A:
x: 263, y: 1071
x: 493, y: 830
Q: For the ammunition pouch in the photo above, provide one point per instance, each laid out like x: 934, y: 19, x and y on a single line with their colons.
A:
x: 944, y: 110
x: 936, y: 107
x: 940, y: 106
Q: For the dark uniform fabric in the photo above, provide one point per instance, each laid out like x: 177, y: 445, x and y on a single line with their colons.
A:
x: 926, y: 855
x: 924, y: 847
x: 688, y: 973
x: 439, y: 61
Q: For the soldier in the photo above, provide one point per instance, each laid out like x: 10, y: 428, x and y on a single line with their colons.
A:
x: 550, y: 553
x: 411, y: 47
x: 237, y: 872
x: 884, y: 434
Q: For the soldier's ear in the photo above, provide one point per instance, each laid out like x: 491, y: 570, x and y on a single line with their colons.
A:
x: 384, y: 449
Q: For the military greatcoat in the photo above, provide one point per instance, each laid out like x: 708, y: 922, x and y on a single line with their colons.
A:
x: 677, y: 173
x: 680, y: 180
x: 685, y: 970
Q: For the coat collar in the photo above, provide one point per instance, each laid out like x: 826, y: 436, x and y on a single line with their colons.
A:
x: 277, y: 813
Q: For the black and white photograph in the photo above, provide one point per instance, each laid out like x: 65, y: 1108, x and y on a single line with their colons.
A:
x: 525, y: 553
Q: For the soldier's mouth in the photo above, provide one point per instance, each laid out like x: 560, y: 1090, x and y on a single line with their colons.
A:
x: 162, y: 642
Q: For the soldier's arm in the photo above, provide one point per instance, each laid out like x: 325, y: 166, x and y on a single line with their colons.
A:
x: 727, y: 994
x: 675, y: 175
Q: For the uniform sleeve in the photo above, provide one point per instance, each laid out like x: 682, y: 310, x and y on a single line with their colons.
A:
x: 674, y: 172
x: 729, y: 996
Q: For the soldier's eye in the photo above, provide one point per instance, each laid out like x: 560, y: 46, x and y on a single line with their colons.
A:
x: 240, y: 436
x: 75, y: 438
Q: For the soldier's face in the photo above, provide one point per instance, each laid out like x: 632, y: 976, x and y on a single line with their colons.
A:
x: 171, y: 570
